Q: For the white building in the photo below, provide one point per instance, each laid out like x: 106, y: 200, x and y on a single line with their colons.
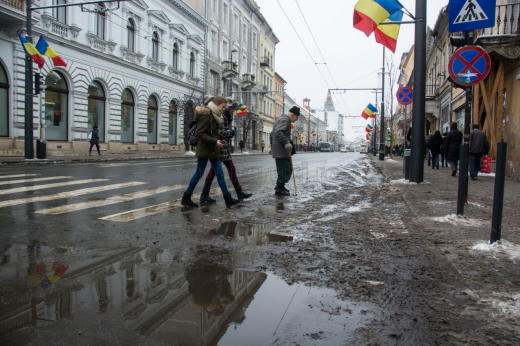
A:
x: 136, y: 71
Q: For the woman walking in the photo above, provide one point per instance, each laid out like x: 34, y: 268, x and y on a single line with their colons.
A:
x: 225, y: 133
x: 94, y: 140
x: 453, y: 142
x: 208, y: 148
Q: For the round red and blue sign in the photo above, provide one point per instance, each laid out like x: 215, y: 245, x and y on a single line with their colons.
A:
x: 469, y: 65
x: 405, y: 95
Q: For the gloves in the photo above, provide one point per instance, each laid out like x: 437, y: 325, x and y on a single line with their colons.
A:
x: 234, y: 105
x: 288, y: 146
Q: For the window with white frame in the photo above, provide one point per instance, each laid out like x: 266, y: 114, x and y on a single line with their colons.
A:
x: 235, y: 24
x: 244, y: 64
x: 225, y: 50
x: 244, y: 33
x: 213, y: 80
x: 155, y: 46
x: 253, y: 69
x: 226, y: 14
x: 100, y: 22
x: 213, y: 47
x: 192, y: 64
x: 175, y: 62
x: 60, y: 13
x: 214, y: 5
x: 254, y: 41
x: 130, y: 28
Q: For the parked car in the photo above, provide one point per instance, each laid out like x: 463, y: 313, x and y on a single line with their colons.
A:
x: 343, y: 150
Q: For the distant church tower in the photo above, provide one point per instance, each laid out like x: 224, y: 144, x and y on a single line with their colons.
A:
x: 307, y: 104
x: 329, y: 104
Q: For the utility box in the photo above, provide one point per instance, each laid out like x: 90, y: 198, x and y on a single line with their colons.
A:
x: 41, y: 149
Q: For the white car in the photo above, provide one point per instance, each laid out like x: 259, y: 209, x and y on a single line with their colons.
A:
x: 343, y: 150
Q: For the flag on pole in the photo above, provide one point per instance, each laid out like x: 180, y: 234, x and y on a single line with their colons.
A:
x: 369, y: 112
x: 368, y: 128
x: 44, y: 49
x: 313, y: 133
x: 32, y: 51
x: 368, y: 136
x: 387, y: 34
x: 369, y: 13
x: 241, y: 109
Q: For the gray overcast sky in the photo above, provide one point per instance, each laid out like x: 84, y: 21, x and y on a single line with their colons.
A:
x: 353, y: 59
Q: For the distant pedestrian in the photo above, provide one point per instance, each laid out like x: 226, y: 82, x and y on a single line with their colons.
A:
x: 241, y: 144
x: 263, y: 146
x: 225, y: 134
x: 453, y: 142
x: 435, y: 148
x: 94, y: 140
x: 443, y: 149
x: 282, y: 149
x: 208, y: 148
x: 408, y: 143
x: 479, y: 145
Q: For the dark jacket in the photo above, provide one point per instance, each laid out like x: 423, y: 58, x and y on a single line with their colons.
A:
x: 225, y: 133
x: 241, y: 143
x: 453, y: 142
x: 280, y: 137
x: 478, y: 142
x: 207, y: 134
x: 95, y: 136
x: 435, y: 143
x: 443, y: 146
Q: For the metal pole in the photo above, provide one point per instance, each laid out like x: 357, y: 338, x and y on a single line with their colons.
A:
x: 419, y: 84
x: 467, y: 121
x: 382, y: 118
x: 374, y: 135
x: 28, y: 133
x: 463, y: 175
x: 498, y: 200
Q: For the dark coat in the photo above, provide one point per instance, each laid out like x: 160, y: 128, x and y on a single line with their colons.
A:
x: 280, y: 137
x: 478, y: 142
x: 241, y: 143
x: 435, y: 143
x: 95, y: 137
x: 207, y: 134
x: 225, y: 133
x: 453, y: 142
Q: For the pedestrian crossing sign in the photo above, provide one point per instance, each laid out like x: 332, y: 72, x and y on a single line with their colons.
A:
x: 471, y: 14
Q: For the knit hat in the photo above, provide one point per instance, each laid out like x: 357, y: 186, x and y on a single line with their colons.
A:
x: 295, y: 110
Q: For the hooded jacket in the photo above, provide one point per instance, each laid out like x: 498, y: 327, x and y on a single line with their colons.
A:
x: 207, y: 134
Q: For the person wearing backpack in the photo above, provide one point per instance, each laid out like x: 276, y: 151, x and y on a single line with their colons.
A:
x: 208, y: 147
x: 94, y: 140
x: 225, y: 133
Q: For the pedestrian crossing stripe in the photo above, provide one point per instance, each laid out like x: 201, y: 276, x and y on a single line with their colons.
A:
x: 109, y: 201
x: 48, y: 186
x: 10, y: 182
x: 69, y: 194
x: 471, y: 12
x: 108, y: 165
x: 16, y: 176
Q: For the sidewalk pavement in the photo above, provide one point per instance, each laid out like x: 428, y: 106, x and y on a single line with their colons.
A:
x: 81, y: 158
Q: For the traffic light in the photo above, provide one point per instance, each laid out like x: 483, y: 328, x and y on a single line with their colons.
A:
x: 38, y: 83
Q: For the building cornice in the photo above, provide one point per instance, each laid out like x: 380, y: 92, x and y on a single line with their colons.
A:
x: 189, y: 12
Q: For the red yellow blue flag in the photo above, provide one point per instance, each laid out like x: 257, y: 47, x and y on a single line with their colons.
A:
x: 313, y: 133
x: 241, y: 109
x: 44, y: 49
x: 369, y: 13
x: 368, y: 128
x: 32, y: 51
x: 369, y: 112
x: 387, y: 34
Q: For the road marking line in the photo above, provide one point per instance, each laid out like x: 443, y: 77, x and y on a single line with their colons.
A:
x: 184, y: 164
x: 108, y: 201
x: 135, y: 214
x: 68, y: 194
x: 104, y: 165
x: 9, y: 182
x: 16, y: 176
x: 48, y: 186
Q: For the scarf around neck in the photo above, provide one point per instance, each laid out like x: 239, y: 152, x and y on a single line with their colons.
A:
x: 217, y: 113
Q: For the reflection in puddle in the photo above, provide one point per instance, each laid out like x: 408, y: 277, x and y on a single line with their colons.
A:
x: 253, y: 233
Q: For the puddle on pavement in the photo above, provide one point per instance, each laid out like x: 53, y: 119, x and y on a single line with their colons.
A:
x: 149, y: 293
x: 253, y: 232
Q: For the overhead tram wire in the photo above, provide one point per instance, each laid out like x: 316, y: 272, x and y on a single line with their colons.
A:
x: 319, y: 50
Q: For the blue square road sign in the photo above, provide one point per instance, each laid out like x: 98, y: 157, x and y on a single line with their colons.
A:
x: 471, y: 14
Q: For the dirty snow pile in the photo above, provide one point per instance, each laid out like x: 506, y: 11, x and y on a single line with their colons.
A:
x: 459, y: 220
x: 392, y: 160
x: 189, y: 153
x: 401, y: 182
x: 499, y: 247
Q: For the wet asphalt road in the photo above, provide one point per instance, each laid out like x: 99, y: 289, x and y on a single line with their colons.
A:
x: 118, y: 260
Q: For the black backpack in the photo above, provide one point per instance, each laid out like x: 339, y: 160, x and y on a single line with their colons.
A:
x: 192, y: 133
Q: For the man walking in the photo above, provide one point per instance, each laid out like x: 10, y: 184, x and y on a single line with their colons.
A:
x: 281, y: 149
x: 478, y: 146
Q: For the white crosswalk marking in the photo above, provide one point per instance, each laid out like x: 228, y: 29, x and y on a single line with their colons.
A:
x: 105, y: 165
x: 16, y: 176
x: 108, y: 201
x: 9, y: 182
x: 48, y: 186
x: 68, y: 194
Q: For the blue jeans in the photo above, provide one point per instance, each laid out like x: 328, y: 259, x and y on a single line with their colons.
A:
x: 474, y: 164
x: 199, y: 172
x: 435, y: 160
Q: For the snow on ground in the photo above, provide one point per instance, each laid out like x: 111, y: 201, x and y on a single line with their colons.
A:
x: 499, y: 247
x: 189, y: 153
x: 392, y: 161
x: 459, y: 220
x: 405, y: 182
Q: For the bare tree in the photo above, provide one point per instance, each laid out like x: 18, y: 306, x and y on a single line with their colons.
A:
x: 393, y: 75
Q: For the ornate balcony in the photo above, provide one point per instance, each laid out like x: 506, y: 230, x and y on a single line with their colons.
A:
x: 59, y: 28
x: 264, y: 61
x: 100, y: 44
x: 248, y: 80
x: 18, y: 5
x: 130, y: 55
x: 230, y: 68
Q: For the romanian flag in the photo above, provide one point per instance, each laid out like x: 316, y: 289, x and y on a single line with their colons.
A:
x: 241, y: 109
x: 387, y: 34
x: 293, y: 127
x: 32, y: 51
x: 368, y: 136
x: 313, y: 133
x: 369, y: 112
x: 368, y: 128
x: 43, y: 47
x: 369, y: 13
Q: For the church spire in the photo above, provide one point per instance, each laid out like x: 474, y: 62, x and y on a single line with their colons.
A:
x: 329, y: 104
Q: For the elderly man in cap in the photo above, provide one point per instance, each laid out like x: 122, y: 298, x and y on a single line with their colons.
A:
x: 281, y: 149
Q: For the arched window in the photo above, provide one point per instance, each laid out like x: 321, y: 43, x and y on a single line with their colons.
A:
x: 130, y: 27
x: 155, y: 46
x: 127, y: 117
x: 152, y: 120
x: 100, y: 21
x: 4, y: 103
x: 175, y: 62
x: 56, y: 115
x: 192, y: 64
x: 172, y: 123
x: 96, y: 109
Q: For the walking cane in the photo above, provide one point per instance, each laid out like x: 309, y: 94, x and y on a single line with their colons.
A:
x: 292, y: 169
